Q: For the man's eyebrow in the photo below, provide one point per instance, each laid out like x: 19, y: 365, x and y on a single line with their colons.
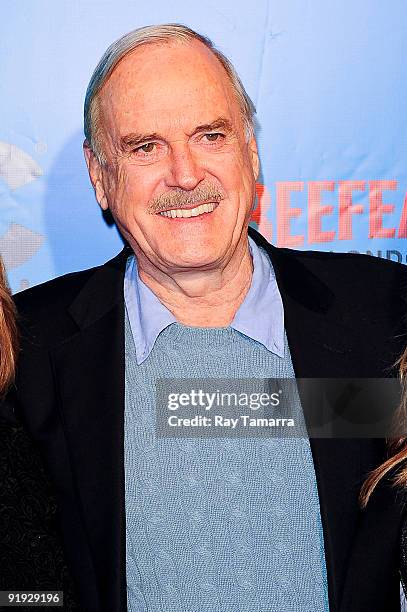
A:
x: 221, y: 123
x: 133, y: 139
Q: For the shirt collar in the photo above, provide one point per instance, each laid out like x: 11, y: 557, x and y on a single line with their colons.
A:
x: 260, y: 316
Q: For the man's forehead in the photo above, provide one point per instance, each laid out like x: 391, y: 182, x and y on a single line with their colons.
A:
x: 158, y: 78
x: 188, y: 57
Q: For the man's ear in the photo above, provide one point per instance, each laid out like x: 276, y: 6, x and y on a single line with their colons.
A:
x: 254, y: 157
x: 95, y: 175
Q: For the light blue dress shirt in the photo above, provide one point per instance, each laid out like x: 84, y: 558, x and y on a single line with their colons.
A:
x: 148, y: 316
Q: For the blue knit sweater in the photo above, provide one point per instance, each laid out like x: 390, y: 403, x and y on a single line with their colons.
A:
x: 217, y: 525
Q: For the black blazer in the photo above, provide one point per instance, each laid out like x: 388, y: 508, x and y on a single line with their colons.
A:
x: 344, y: 316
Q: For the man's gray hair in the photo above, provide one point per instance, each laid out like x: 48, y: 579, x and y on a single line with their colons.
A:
x: 165, y: 33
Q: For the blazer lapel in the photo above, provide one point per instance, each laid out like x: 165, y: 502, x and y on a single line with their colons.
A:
x: 89, y: 368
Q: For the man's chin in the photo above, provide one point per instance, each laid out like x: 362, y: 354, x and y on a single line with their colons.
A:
x: 188, y: 259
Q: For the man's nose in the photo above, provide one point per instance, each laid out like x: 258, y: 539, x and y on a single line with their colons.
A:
x: 184, y: 169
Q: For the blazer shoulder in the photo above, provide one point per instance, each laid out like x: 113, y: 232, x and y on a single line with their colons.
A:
x: 45, y: 306
x: 54, y: 294
x: 325, y: 263
x: 345, y: 258
x: 353, y: 280
x: 351, y: 267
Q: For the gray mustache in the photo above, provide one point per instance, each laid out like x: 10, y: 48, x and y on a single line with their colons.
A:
x: 179, y: 198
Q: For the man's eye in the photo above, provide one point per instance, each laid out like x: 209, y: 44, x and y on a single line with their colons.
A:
x: 146, y: 148
x: 214, y: 136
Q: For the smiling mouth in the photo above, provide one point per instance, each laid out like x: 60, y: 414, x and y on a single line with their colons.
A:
x: 192, y: 211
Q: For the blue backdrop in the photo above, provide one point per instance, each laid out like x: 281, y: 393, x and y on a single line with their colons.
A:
x: 329, y: 83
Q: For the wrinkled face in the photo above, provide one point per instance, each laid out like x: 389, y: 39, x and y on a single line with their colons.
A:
x: 174, y: 142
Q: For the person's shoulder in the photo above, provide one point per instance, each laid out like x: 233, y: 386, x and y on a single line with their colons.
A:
x: 47, y: 301
x: 327, y: 261
x: 354, y: 278
x: 55, y: 292
x: 42, y: 310
x: 352, y: 266
x: 348, y: 258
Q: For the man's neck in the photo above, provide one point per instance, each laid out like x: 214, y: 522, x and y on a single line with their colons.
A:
x: 199, y: 298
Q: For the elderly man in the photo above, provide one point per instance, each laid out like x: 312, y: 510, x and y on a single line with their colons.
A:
x: 165, y: 524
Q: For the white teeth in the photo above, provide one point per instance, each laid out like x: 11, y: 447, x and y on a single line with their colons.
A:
x: 193, y: 212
